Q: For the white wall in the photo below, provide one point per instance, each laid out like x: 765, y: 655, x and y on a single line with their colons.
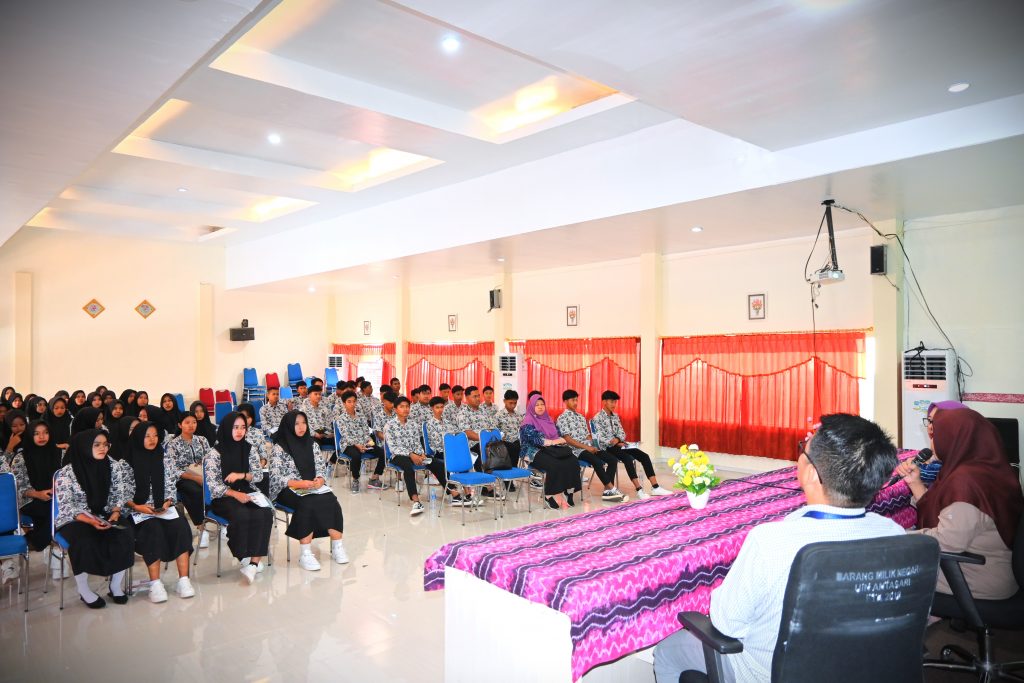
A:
x: 970, y: 268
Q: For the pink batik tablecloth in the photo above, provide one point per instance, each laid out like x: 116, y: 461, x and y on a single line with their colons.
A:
x: 622, y: 574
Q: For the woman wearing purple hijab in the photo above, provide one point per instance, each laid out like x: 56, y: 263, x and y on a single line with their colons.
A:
x: 545, y: 450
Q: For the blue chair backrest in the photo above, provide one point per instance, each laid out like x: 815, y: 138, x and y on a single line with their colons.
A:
x: 54, y: 505
x: 221, y: 411
x: 330, y: 378
x: 387, y: 451
x: 206, y: 489
x: 426, y: 441
x: 487, y: 436
x: 286, y: 393
x: 457, y: 457
x: 337, y: 438
x: 8, y: 503
x: 257, y: 406
x: 294, y: 372
x: 308, y: 380
x: 249, y: 377
x: 181, y: 402
x: 234, y: 399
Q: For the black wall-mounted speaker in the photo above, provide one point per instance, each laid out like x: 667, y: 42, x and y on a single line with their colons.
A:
x: 242, y: 333
x: 878, y: 259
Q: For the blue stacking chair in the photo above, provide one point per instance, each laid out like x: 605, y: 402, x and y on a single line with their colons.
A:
x: 288, y: 512
x: 330, y: 378
x: 257, y: 406
x: 234, y: 399
x: 294, y: 374
x: 458, y: 463
x: 12, y: 540
x: 287, y: 393
x: 59, y: 545
x: 338, y: 453
x: 394, y: 472
x: 180, y: 401
x: 210, y: 516
x: 221, y: 411
x: 512, y: 474
x: 251, y: 387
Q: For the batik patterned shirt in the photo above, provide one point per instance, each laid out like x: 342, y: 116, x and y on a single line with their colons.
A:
x: 72, y: 500
x: 607, y: 427
x: 572, y: 424
x: 187, y: 453
x: 270, y: 416
x: 403, y: 439
x: 214, y: 479
x: 354, y: 430
x: 476, y: 420
x: 282, y: 468
x: 509, y: 424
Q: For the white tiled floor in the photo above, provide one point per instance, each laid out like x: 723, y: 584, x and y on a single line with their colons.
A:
x: 369, y: 620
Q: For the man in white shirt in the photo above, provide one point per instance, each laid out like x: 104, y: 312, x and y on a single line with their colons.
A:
x: 840, y: 469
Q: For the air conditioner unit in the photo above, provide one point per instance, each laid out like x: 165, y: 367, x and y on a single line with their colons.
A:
x: 928, y: 377
x: 511, y: 375
x: 336, y: 360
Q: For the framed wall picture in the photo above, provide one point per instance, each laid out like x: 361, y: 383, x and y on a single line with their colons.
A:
x: 755, y: 306
x: 145, y: 309
x: 453, y: 322
x: 93, y: 308
x: 366, y: 328
x: 572, y: 316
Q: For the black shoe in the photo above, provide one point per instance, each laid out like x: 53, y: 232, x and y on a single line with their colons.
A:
x: 510, y: 486
x: 569, y: 500
x: 98, y: 603
x: 487, y: 493
x: 118, y: 599
x: 552, y: 503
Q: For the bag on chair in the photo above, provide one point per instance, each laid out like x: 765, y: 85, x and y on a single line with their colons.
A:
x: 497, y: 457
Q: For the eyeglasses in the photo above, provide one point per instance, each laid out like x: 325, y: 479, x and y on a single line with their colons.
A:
x: 926, y: 421
x: 801, y: 449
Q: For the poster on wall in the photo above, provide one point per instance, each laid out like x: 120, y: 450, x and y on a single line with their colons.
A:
x: 453, y: 323
x: 755, y: 306
x: 372, y: 370
x: 366, y: 328
x: 572, y: 316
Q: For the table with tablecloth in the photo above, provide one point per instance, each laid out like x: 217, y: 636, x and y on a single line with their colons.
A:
x: 622, y: 573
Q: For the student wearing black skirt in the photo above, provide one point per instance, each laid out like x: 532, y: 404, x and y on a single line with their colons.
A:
x: 91, y: 491
x: 230, y: 468
x: 34, y: 467
x: 188, y: 450
x: 153, y: 490
x: 297, y: 466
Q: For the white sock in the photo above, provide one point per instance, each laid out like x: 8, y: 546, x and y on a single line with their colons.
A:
x: 117, y: 583
x: 83, y: 587
x: 307, y: 548
x: 336, y: 544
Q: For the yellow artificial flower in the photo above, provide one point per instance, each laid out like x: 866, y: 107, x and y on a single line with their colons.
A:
x: 687, y: 480
x: 671, y: 462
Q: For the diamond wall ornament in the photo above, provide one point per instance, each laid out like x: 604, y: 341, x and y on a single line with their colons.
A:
x: 145, y: 309
x: 93, y: 308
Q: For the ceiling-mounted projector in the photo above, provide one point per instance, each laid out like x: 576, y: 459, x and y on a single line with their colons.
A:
x: 827, y: 276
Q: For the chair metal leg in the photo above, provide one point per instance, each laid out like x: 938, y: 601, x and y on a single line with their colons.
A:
x: 218, y: 550
x: 62, y: 578
x: 28, y: 580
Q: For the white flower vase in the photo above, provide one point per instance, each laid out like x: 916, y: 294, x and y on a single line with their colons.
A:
x: 698, y: 501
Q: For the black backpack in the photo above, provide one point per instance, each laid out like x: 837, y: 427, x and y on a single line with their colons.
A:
x: 497, y: 456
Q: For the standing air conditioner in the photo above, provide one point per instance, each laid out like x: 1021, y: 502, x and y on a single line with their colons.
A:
x: 511, y: 375
x: 928, y: 377
x: 336, y: 360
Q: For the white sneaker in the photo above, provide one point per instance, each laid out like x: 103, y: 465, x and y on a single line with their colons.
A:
x: 249, y: 572
x: 157, y: 592
x: 660, y: 491
x: 184, y: 588
x: 417, y: 509
x: 308, y: 562
x: 642, y: 495
x: 204, y: 539
x: 338, y: 553
x: 9, y: 571
x: 259, y: 567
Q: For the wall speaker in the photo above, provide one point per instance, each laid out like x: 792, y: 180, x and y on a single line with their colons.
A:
x: 878, y: 259
x: 495, y: 299
x: 242, y: 333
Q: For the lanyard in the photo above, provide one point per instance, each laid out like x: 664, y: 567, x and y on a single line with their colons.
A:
x: 820, y: 514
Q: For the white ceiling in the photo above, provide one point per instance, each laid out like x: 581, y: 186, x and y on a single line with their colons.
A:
x: 550, y: 114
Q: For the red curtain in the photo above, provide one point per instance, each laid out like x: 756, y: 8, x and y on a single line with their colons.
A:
x: 468, y: 364
x: 590, y: 366
x: 756, y: 394
x: 356, y: 353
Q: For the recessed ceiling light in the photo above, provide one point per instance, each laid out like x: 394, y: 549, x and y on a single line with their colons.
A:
x: 274, y: 139
x: 182, y: 189
x: 696, y: 228
x: 959, y: 87
x: 451, y: 44
x: 312, y: 289
x: 394, y: 277
x: 501, y: 259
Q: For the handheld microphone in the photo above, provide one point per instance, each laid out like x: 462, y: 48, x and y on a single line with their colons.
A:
x: 923, y: 456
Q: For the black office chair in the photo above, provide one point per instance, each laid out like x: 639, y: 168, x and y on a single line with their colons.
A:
x: 981, y: 616
x: 854, y: 611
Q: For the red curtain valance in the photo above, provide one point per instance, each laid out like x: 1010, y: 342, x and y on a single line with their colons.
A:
x: 468, y: 364
x: 571, y: 354
x: 357, y: 353
x: 750, y: 355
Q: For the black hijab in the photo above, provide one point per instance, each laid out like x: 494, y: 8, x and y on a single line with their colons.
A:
x: 85, y: 420
x: 94, y: 476
x: 168, y: 420
x: 234, y: 455
x: 109, y: 421
x: 40, y: 461
x: 73, y: 407
x: 89, y: 399
x: 32, y: 408
x: 204, y: 427
x: 134, y: 408
x: 16, y: 397
x: 127, y: 397
x: 300, y: 448
x: 148, y: 466
x: 8, y: 426
x: 60, y: 427
x: 119, y: 444
x: 7, y: 391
